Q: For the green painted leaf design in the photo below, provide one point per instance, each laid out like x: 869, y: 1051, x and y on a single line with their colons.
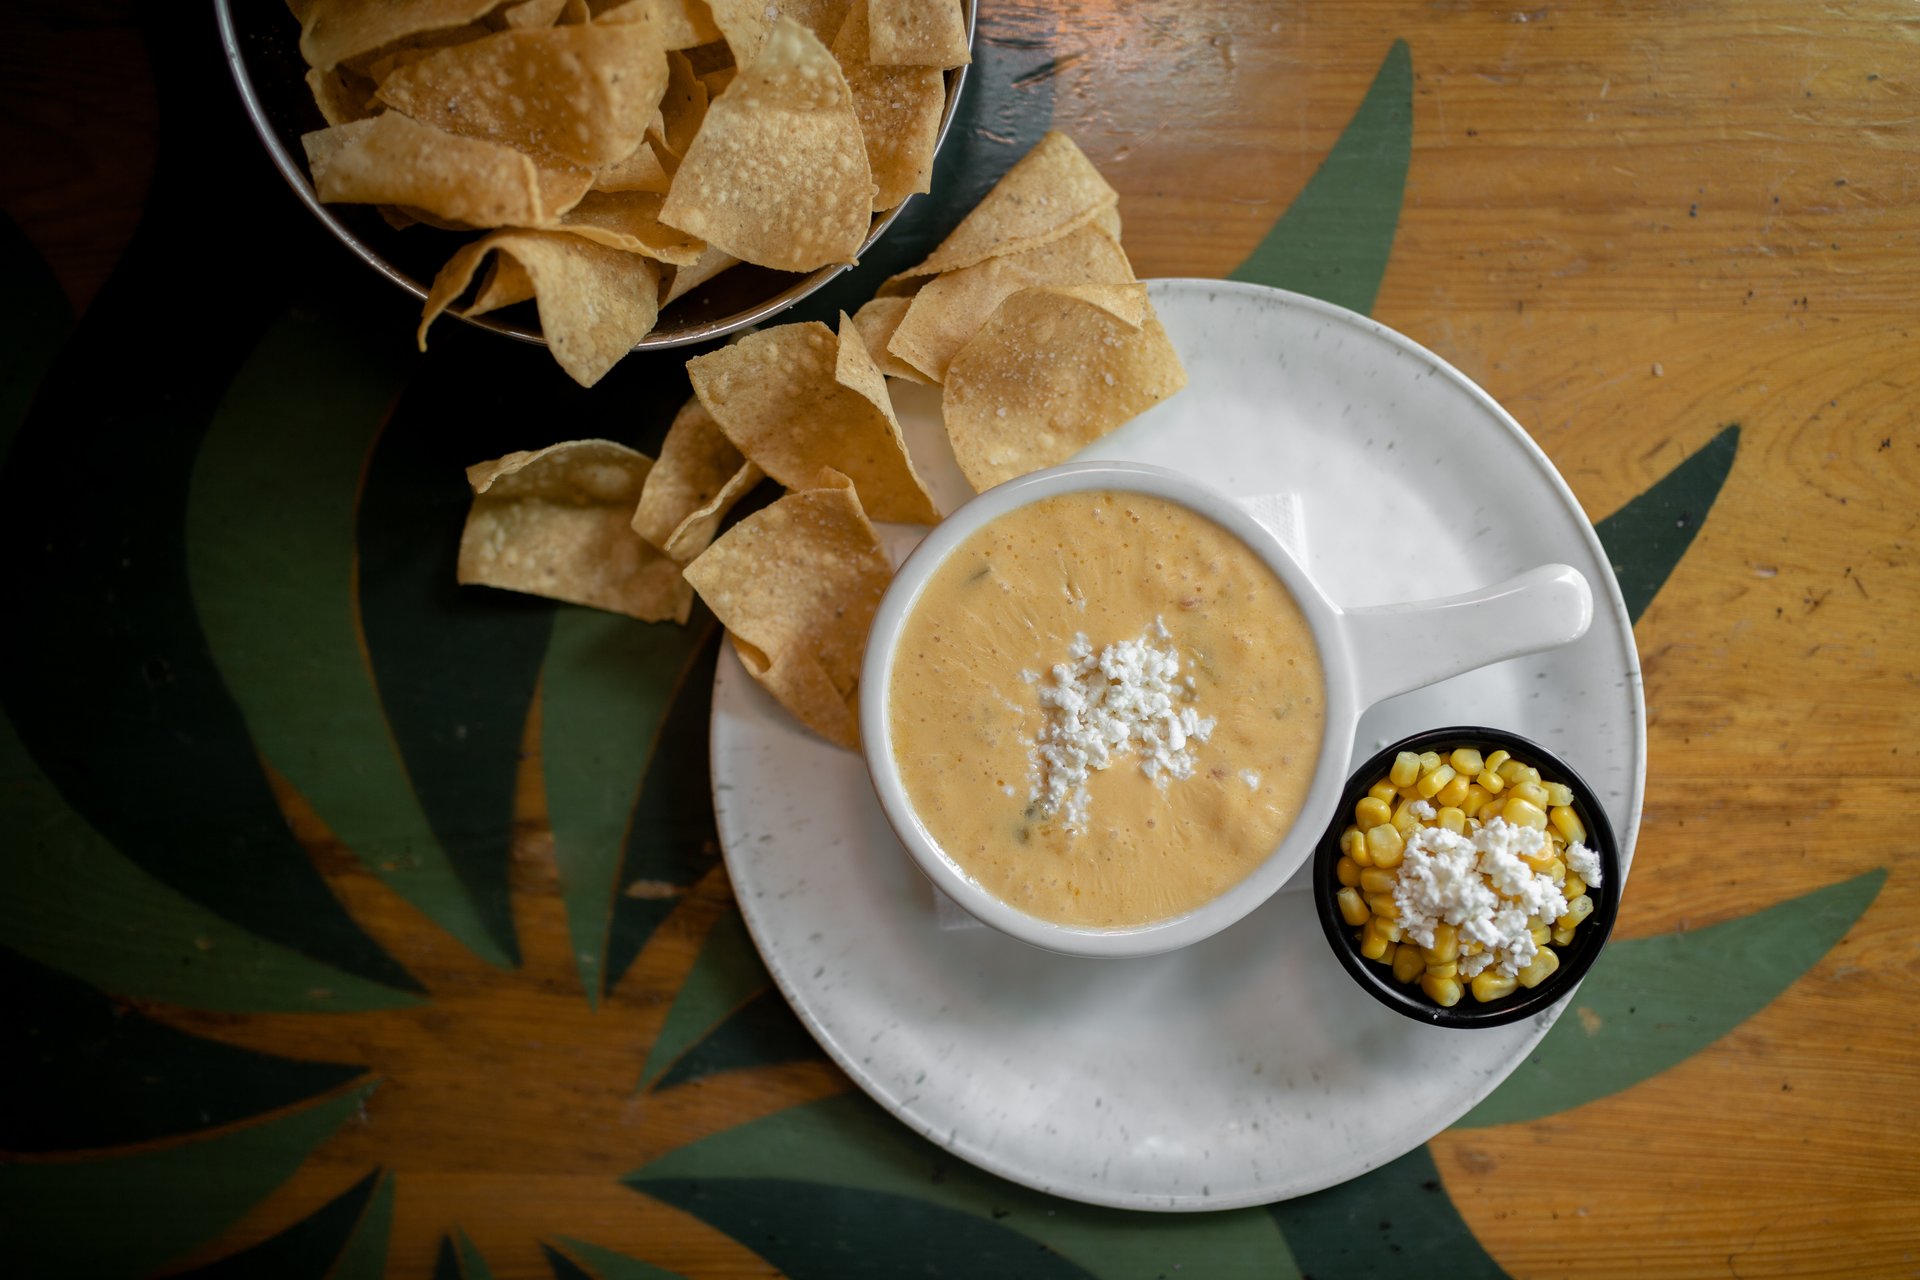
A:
x: 164, y: 1202
x: 760, y: 1033
x: 840, y: 1189
x: 472, y: 1265
x: 594, y: 1263
x: 84, y: 1071
x: 605, y: 691
x: 33, y: 324
x: 270, y: 555
x: 1396, y: 1221
x: 69, y: 900
x: 1645, y: 539
x: 304, y: 1251
x: 365, y: 1254
x: 1334, y: 239
x: 1652, y: 1002
x: 727, y: 977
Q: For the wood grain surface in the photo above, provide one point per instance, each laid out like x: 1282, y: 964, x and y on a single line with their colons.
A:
x: 1636, y: 224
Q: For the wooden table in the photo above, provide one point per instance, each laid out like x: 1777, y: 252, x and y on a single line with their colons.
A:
x: 1681, y: 243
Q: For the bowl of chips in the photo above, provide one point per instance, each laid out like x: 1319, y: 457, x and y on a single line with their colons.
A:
x: 645, y: 173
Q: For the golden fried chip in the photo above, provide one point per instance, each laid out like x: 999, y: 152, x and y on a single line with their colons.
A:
x: 1053, y: 371
x: 745, y: 23
x: 687, y: 279
x: 919, y: 33
x: 640, y: 171
x: 391, y: 159
x: 555, y: 523
x: 331, y: 31
x: 698, y: 478
x: 582, y: 93
x: 1053, y: 190
x: 899, y: 110
x: 341, y: 95
x: 795, y: 399
x: 717, y: 80
x: 797, y: 585
x: 778, y: 173
x: 877, y: 322
x: 946, y: 314
x: 682, y: 107
x: 678, y: 24
x: 594, y: 302
x: 630, y: 220
x: 531, y: 14
x: 506, y: 283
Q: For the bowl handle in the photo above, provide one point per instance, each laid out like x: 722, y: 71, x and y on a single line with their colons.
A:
x: 1400, y: 647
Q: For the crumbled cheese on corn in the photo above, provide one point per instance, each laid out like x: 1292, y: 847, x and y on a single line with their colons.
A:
x: 1479, y: 883
x: 1584, y: 863
x: 1126, y: 699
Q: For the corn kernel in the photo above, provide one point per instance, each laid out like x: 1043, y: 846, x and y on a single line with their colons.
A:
x: 1453, y: 820
x: 1347, y: 872
x: 1407, y: 963
x: 1573, y: 886
x: 1385, y: 844
x: 1430, y: 784
x: 1372, y: 812
x: 1392, y: 931
x: 1539, y: 861
x: 1568, y: 824
x: 1450, y: 796
x: 1529, y: 774
x: 1559, y: 794
x: 1492, y: 781
x: 1429, y: 761
x: 1578, y: 909
x: 1352, y: 909
x: 1561, y: 937
x: 1373, y: 880
x: 1405, y: 820
x: 1383, y: 792
x: 1557, y: 872
x: 1542, y: 934
x: 1466, y: 760
x: 1524, y: 813
x: 1477, y: 796
x: 1446, y: 942
x: 1492, y: 809
x: 1512, y: 771
x: 1533, y: 793
x: 1444, y: 992
x: 1383, y: 906
x: 1492, y: 986
x: 1494, y: 761
x: 1374, y: 947
x: 1443, y: 968
x: 1353, y: 843
x: 1406, y: 769
x: 1545, y: 962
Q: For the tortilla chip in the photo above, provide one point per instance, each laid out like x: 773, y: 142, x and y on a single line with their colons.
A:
x: 687, y: 279
x: 795, y: 399
x: 919, y: 33
x: 797, y: 585
x: 640, y: 171
x: 532, y: 14
x: 391, y: 159
x: 341, y: 95
x: 745, y: 23
x: 778, y: 173
x: 554, y: 523
x: 595, y: 302
x: 953, y: 307
x: 899, y: 110
x: 580, y: 93
x: 717, y: 80
x: 699, y: 476
x: 677, y: 24
x: 1052, y: 191
x: 877, y: 323
x: 630, y: 221
x: 506, y: 283
x: 1053, y: 371
x: 682, y: 108
x: 331, y: 31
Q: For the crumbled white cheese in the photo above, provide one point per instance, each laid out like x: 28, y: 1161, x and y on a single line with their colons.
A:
x: 1126, y: 699
x: 1478, y: 883
x: 1584, y: 863
x: 1423, y: 810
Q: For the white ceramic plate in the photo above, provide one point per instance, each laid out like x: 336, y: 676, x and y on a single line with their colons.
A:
x: 1247, y: 1068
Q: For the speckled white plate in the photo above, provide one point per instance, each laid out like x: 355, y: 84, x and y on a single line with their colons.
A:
x: 1247, y: 1068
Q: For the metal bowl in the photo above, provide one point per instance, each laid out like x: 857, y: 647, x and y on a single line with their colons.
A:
x: 1575, y: 959
x: 262, y: 44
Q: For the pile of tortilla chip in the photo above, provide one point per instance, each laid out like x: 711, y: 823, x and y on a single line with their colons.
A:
x: 1029, y: 315
x: 622, y: 152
